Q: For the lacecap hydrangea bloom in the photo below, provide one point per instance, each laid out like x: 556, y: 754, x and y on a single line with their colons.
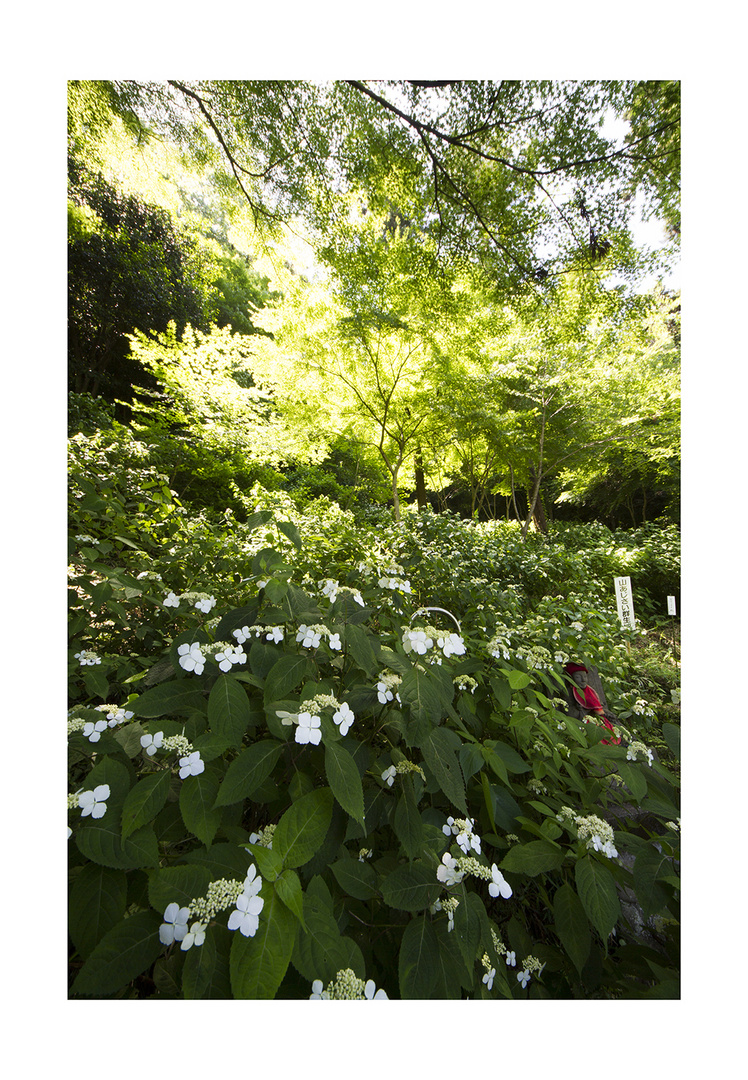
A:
x: 174, y: 926
x: 191, y: 765
x: 152, y: 743
x: 87, y: 658
x: 191, y: 657
x: 93, y: 731
x: 94, y: 802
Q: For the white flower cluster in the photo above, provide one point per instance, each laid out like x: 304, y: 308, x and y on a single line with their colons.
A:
x: 500, y: 644
x: 598, y: 833
x: 226, y: 655
x: 200, y: 600
x: 152, y: 743
x: 396, y: 584
x: 331, y: 589
x: 463, y: 830
x: 452, y: 871
x: 93, y: 731
x: 191, y: 657
x: 114, y: 714
x: 465, y: 682
x: 264, y: 837
x: 271, y: 633
x: 175, y: 928
x: 386, y: 687
x: 87, y: 658
x: 421, y: 641
x: 403, y: 766
x: 636, y: 749
x: 310, y: 722
x: 346, y: 986
x: 530, y: 966
x: 310, y: 636
x: 221, y: 895
x: 246, y: 916
x: 84, y: 538
x: 449, y: 905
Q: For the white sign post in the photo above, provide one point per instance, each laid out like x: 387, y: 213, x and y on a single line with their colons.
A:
x: 625, y: 602
x: 671, y: 605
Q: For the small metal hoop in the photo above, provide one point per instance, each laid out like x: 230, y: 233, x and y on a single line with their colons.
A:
x: 459, y: 630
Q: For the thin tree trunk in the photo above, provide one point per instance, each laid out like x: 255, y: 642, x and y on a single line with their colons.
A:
x: 421, y: 496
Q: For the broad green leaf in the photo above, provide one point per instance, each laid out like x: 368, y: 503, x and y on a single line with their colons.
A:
x: 650, y: 867
x: 125, y: 952
x: 407, y: 821
x: 423, y: 691
x: 634, y: 779
x: 101, y: 842
x: 344, y: 780
x: 177, y: 885
x: 97, y: 902
x: 417, y: 960
x: 288, y: 888
x: 597, y: 890
x: 284, y: 676
x: 170, y: 699
x: 144, y: 801
x: 513, y: 761
x: 205, y: 974
x: 289, y: 529
x: 411, y: 888
x: 572, y: 926
x: 359, y: 644
x: 228, y: 710
x: 321, y: 951
x: 260, y: 517
x: 518, y: 680
x: 438, y: 750
x: 247, y: 771
x: 671, y: 735
x: 303, y: 827
x: 355, y: 878
x: 502, y: 691
x: 257, y: 964
x: 536, y: 857
x: 196, y: 799
x: 222, y: 860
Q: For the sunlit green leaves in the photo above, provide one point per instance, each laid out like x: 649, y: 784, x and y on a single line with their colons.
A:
x: 302, y: 829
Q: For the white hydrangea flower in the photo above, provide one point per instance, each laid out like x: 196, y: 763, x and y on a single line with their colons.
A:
x: 511, y: 959
x: 94, y: 802
x: 417, y: 641
x: 318, y: 992
x: 191, y: 765
x: 195, y: 936
x: 372, y: 994
x: 308, y: 636
x: 245, y: 917
x: 174, y: 926
x: 523, y: 977
x: 242, y: 634
x: 330, y: 589
x: 334, y: 641
x: 344, y: 717
x: 275, y: 634
x: 499, y: 886
x: 308, y: 730
x: 384, y: 693
x: 93, y: 731
x: 389, y: 775
x: 172, y: 600
x: 87, y: 658
x: 451, y: 645
x: 253, y: 881
x: 116, y: 715
x: 152, y: 743
x: 205, y: 604
x: 448, y: 873
x: 488, y: 978
x: 191, y: 657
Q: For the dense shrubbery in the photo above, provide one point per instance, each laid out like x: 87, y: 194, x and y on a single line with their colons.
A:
x: 281, y: 768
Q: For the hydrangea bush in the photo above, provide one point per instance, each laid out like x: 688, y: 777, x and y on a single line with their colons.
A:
x: 310, y: 758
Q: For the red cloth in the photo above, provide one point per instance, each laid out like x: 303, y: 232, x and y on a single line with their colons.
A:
x: 588, y: 699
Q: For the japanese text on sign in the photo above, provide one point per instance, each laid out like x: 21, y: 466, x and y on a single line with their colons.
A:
x: 671, y: 605
x: 625, y: 602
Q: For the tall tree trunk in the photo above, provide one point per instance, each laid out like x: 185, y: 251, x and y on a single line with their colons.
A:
x: 420, y: 481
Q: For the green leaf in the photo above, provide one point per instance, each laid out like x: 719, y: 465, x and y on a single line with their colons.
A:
x: 125, y: 952
x: 97, y: 902
x: 571, y: 925
x: 196, y: 799
x: 518, y: 680
x: 247, y: 771
x: 411, y: 888
x: 355, y: 878
x: 102, y: 843
x: 170, y: 699
x: 177, y: 884
x: 284, y: 676
x: 303, y: 827
x: 289, y: 529
x: 344, y: 780
x: 597, y: 891
x: 537, y: 857
x: 359, y: 644
x: 258, y: 964
x: 260, y: 517
x: 144, y: 801
x: 206, y: 969
x: 228, y: 710
x: 671, y: 735
x: 417, y: 960
x: 407, y: 821
x: 288, y: 888
x: 650, y: 867
x: 438, y: 750
x: 513, y: 761
x: 634, y: 779
x: 321, y: 951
